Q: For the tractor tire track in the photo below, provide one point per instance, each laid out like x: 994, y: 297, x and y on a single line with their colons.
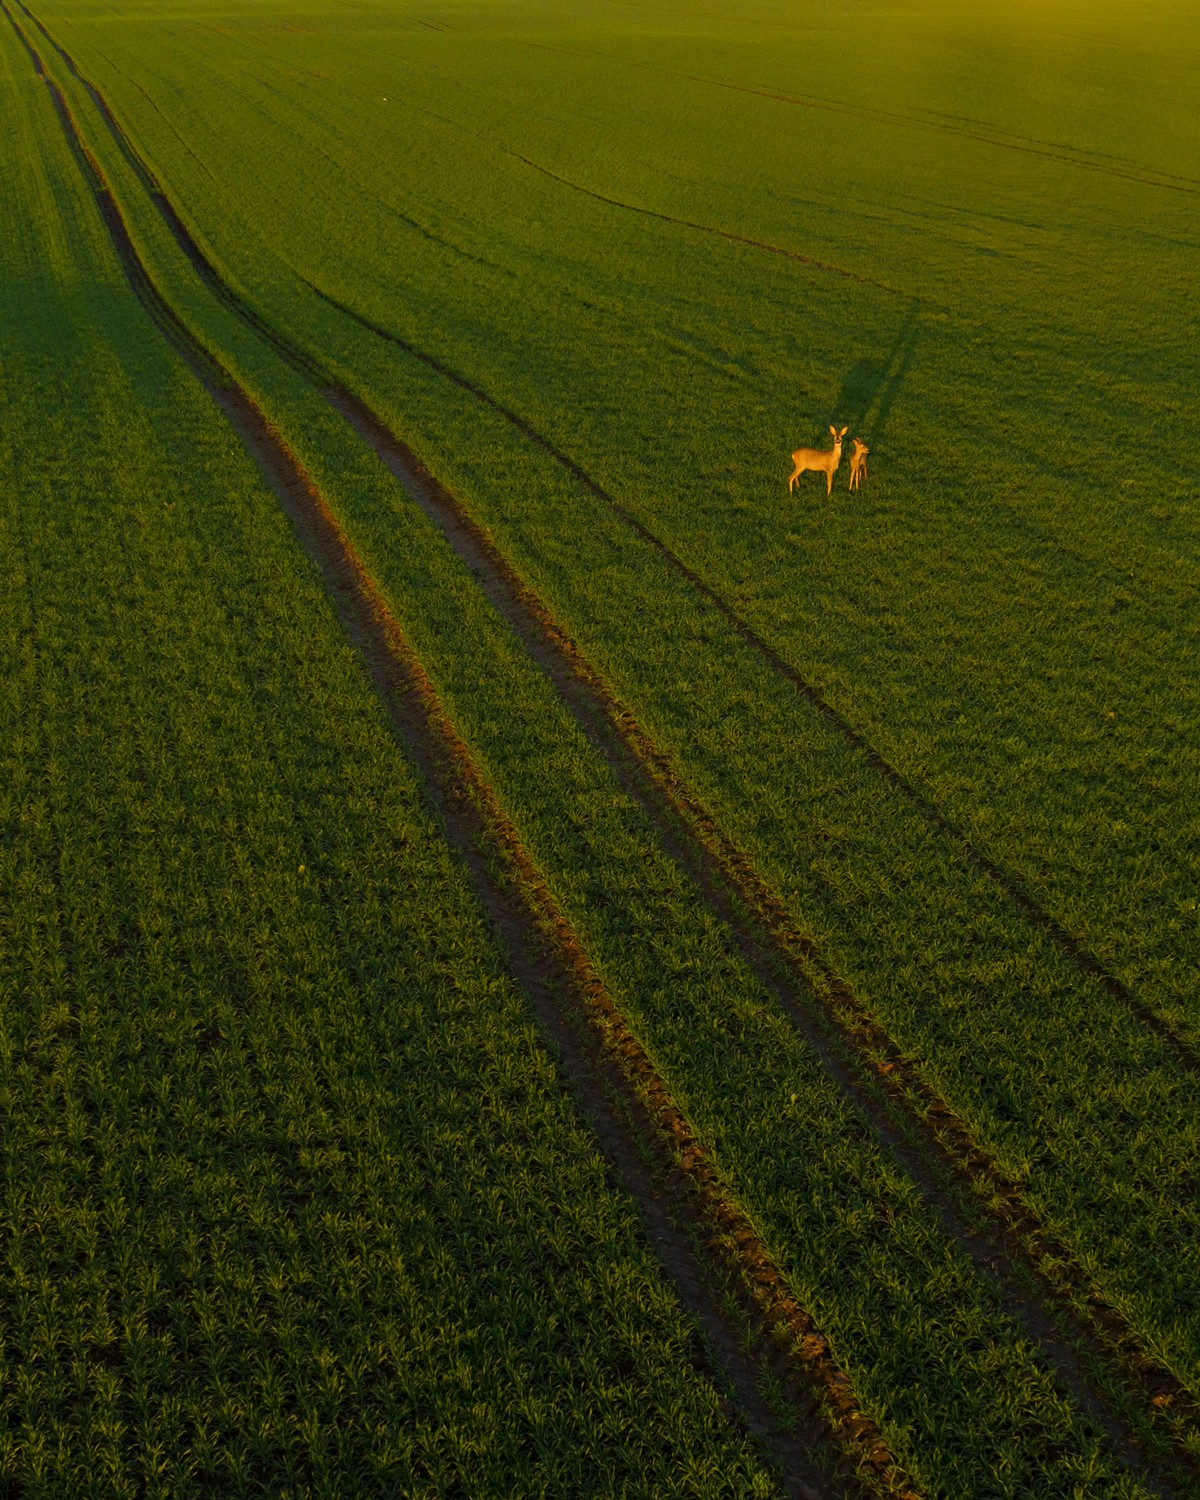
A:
x: 152, y: 186
x: 721, y: 870
x: 607, y: 1070
x: 1181, y: 1049
x: 764, y: 933
x: 1027, y: 145
x: 956, y: 125
x: 1100, y: 1328
x: 725, y: 234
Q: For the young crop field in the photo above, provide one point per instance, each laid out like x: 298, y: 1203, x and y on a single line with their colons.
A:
x: 537, y: 958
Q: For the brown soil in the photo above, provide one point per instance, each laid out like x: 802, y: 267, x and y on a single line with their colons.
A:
x: 685, y: 1212
x: 765, y: 931
x: 1180, y: 1048
x: 1015, y: 1233
x: 722, y: 870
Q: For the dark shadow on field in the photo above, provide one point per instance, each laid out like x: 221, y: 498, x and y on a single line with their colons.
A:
x: 872, y: 385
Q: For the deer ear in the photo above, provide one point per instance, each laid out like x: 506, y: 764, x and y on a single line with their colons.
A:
x: 843, y: 432
x: 833, y: 429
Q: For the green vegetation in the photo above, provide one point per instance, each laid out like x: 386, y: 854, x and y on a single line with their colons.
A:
x: 559, y: 206
x: 293, y: 1201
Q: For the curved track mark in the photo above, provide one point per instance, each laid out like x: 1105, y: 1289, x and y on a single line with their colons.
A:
x: 1027, y: 145
x: 763, y: 930
x: 975, y: 130
x: 1021, y: 1229
x: 725, y: 234
x: 1086, y: 962
x: 693, y: 838
x: 762, y: 923
x: 603, y: 1058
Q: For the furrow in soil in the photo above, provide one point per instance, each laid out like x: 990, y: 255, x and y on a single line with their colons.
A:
x: 686, y: 1215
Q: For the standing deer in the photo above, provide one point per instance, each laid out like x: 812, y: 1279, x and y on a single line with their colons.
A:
x: 824, y: 459
x: 858, y: 462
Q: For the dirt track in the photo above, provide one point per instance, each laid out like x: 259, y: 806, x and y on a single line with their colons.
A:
x: 686, y: 828
x: 682, y: 1206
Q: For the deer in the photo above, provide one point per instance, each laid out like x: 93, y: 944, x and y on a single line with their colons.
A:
x: 825, y: 459
x: 858, y: 462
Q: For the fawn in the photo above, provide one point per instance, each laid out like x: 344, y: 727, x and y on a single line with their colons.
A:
x: 858, y: 462
x: 824, y: 459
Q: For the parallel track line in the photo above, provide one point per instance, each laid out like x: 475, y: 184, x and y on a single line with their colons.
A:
x: 1181, y: 1049
x: 718, y: 866
x: 608, y: 1069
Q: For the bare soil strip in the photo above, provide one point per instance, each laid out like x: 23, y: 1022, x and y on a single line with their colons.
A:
x: 1183, y: 1050
x: 688, y: 1217
x: 715, y: 861
x: 204, y: 267
x: 183, y: 236
x: 765, y: 932
x: 726, y: 876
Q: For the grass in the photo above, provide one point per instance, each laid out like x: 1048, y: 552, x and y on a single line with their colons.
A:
x: 294, y: 1200
x: 1003, y: 584
x: 1001, y: 385
x: 695, y: 1005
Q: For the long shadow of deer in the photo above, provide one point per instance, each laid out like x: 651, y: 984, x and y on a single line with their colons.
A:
x: 872, y: 385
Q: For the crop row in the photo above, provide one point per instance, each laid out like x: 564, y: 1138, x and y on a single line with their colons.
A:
x: 1004, y: 613
x: 1022, y: 1046
x: 292, y: 1192
x: 467, y: 708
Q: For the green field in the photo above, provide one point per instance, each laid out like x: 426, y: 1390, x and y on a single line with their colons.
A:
x: 382, y: 949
